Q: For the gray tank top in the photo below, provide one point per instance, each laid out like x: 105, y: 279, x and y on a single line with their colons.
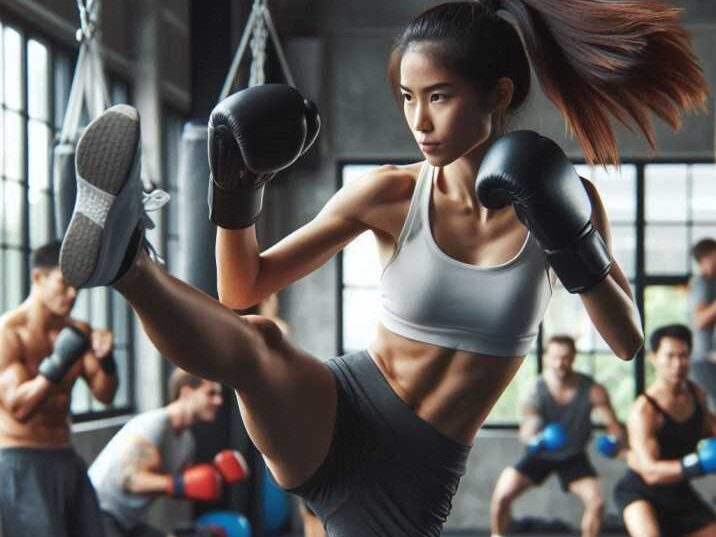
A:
x: 575, y: 416
x: 431, y: 297
x: 176, y: 450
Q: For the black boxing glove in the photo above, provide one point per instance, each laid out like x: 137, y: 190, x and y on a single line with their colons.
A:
x: 70, y: 344
x: 532, y: 173
x: 253, y: 134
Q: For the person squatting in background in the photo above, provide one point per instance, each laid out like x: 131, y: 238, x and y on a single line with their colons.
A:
x: 153, y: 455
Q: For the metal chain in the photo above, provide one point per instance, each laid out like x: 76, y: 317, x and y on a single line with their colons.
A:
x: 258, y: 48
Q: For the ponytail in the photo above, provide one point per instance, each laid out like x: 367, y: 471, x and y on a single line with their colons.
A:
x: 595, y: 59
x: 624, y: 58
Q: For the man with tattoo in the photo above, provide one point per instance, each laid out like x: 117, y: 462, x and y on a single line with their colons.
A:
x: 43, y: 351
x: 150, y: 454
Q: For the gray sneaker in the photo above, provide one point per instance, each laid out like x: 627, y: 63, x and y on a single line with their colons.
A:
x: 106, y: 230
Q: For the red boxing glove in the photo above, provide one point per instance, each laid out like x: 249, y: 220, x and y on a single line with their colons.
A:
x: 200, y: 482
x: 232, y: 466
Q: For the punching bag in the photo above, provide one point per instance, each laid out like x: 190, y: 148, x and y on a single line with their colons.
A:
x: 63, y: 176
x: 89, y: 91
x: 197, y: 264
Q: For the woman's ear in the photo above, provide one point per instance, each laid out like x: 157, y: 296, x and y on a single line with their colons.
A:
x: 502, y: 94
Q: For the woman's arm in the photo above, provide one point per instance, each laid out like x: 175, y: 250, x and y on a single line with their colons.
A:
x: 610, y: 304
x: 245, y: 276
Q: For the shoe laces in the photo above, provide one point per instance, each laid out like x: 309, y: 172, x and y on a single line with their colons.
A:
x: 153, y: 201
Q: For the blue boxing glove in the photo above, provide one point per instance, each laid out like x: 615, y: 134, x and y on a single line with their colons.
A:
x: 70, y: 344
x: 608, y: 445
x: 702, y: 462
x: 552, y: 438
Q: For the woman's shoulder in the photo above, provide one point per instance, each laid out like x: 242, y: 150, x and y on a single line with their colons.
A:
x: 389, y: 182
x: 396, y: 176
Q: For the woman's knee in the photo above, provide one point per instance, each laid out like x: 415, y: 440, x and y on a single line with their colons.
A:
x: 270, y: 333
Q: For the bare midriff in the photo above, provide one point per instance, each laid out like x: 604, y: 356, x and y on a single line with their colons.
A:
x: 452, y: 390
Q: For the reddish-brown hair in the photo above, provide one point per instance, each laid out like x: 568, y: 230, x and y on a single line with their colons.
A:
x: 596, y: 60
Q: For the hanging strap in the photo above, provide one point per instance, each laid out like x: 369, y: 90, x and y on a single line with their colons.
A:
x: 258, y: 27
x: 89, y: 84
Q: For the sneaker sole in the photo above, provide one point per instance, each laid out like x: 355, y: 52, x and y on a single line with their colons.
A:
x: 104, y: 159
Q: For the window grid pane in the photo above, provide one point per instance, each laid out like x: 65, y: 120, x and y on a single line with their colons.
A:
x: 12, y: 69
x: 667, y: 249
x: 37, y: 80
x: 666, y: 187
x: 360, y: 277
x: 14, y: 146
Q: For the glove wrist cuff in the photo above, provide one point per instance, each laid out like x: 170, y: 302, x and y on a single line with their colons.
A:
x: 583, y: 264
x: 691, y: 467
x: 108, y: 364
x: 235, y: 209
x: 176, y: 486
x: 50, y: 370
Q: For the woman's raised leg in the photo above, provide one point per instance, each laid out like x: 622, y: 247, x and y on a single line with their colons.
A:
x: 287, y: 397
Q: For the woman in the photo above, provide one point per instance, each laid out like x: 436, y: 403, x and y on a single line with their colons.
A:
x: 376, y: 442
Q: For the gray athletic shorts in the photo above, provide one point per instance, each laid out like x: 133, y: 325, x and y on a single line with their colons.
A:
x: 388, y: 473
x: 46, y: 493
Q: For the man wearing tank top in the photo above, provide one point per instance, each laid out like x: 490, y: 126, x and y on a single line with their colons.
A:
x: 666, y: 425
x: 556, y: 427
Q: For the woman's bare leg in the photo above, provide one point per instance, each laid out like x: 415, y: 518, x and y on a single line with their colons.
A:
x: 287, y: 397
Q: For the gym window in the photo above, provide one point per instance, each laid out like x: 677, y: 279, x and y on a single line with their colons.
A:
x: 35, y: 79
x: 657, y: 211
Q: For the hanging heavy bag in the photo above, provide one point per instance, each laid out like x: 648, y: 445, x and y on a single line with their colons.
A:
x: 89, y: 89
x: 198, y: 236
x: 63, y: 174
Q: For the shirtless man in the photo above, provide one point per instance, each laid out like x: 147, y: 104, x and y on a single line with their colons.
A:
x: 43, y: 351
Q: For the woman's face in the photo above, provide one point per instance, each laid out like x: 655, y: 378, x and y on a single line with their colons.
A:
x: 446, y: 114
